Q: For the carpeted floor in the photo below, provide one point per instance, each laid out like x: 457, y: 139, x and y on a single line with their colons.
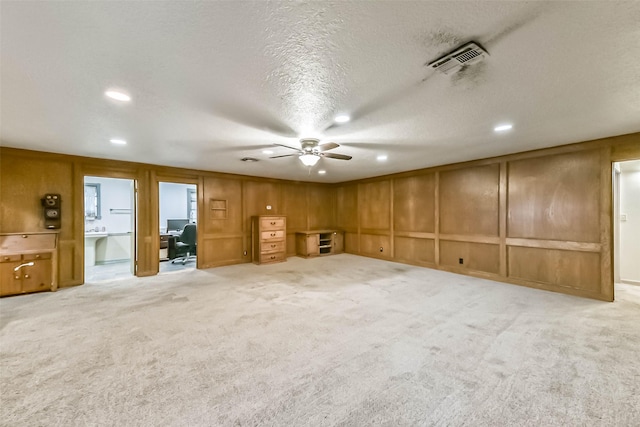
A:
x: 340, y: 340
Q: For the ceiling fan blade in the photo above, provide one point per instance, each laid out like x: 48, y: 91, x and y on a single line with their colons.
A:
x: 286, y: 146
x: 327, y: 146
x: 286, y: 155
x: 336, y: 156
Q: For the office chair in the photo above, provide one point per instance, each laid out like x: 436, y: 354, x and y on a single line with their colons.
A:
x: 186, y: 244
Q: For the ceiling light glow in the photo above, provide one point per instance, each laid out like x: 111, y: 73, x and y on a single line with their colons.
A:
x: 118, y: 96
x: 118, y: 141
x: 381, y: 157
x: 309, y: 159
x: 267, y: 152
x: 503, y: 128
x: 343, y: 118
x: 322, y: 172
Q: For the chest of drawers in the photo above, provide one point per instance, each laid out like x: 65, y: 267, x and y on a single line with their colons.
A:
x: 268, y: 239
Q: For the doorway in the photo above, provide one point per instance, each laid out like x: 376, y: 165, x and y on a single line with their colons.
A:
x: 626, y: 222
x: 109, y: 229
x: 178, y: 218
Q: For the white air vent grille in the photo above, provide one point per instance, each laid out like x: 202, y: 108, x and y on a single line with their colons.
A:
x: 467, y: 54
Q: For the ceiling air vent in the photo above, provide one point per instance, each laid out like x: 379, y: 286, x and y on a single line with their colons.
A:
x: 453, y: 61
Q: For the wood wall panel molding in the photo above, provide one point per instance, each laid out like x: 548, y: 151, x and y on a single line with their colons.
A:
x: 470, y: 238
x: 347, y: 207
x: 476, y: 256
x: 373, y: 205
x: 321, y: 207
x: 606, y: 287
x: 554, y: 244
x: 413, y: 203
x: 370, y: 245
x: 559, y: 268
x: 418, y: 251
x: 469, y: 200
x: 556, y: 197
x: 414, y: 234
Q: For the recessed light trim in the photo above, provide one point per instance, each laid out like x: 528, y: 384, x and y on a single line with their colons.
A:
x: 118, y: 96
x: 342, y: 118
x: 322, y: 172
x: 249, y: 159
x: 267, y: 152
x: 118, y: 141
x: 382, y: 158
x: 503, y: 128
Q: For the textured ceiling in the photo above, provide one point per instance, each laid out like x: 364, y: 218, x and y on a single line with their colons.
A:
x: 213, y: 82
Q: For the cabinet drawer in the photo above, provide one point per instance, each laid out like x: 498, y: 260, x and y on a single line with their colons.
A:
x: 271, y: 257
x: 272, y: 235
x: 267, y: 247
x: 10, y: 258
x: 33, y: 257
x: 271, y: 223
x: 27, y: 242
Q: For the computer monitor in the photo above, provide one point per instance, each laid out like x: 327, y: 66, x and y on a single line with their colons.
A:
x: 176, y: 224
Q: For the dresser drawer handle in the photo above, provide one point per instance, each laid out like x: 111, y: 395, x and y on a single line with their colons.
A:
x: 273, y: 257
x: 26, y: 276
x: 6, y: 258
x: 273, y: 246
x: 38, y: 256
x: 273, y: 234
x: 273, y: 223
x: 24, y: 236
x: 16, y: 277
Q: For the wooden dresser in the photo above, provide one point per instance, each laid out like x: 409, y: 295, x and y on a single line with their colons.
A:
x: 28, y: 262
x: 268, y: 239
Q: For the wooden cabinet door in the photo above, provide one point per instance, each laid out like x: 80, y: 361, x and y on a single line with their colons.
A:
x: 312, y: 244
x: 37, y: 277
x: 10, y: 281
x: 338, y: 242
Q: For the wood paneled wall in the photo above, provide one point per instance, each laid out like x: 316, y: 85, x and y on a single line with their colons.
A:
x: 223, y: 235
x: 540, y: 219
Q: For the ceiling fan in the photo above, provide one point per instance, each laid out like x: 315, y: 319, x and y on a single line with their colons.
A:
x: 311, y: 150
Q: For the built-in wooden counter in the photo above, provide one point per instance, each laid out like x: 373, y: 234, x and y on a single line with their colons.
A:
x: 310, y: 243
x: 28, y: 262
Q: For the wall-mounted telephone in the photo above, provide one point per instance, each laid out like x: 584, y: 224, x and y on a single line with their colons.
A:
x: 51, y: 205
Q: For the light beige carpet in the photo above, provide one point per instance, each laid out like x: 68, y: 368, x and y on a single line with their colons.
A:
x: 341, y: 340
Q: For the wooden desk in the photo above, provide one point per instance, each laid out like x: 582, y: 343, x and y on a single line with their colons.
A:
x: 167, y: 247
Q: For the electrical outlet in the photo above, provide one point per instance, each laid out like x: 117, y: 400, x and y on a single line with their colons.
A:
x: 461, y: 260
x: 268, y: 207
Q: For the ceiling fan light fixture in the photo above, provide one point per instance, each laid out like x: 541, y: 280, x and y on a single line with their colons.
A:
x: 309, y: 159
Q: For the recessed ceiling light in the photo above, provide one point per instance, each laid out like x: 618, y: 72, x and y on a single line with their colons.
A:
x: 267, y: 152
x: 381, y: 157
x: 342, y: 118
x: 322, y: 172
x: 502, y: 128
x: 119, y: 96
x: 118, y: 141
x: 249, y: 159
